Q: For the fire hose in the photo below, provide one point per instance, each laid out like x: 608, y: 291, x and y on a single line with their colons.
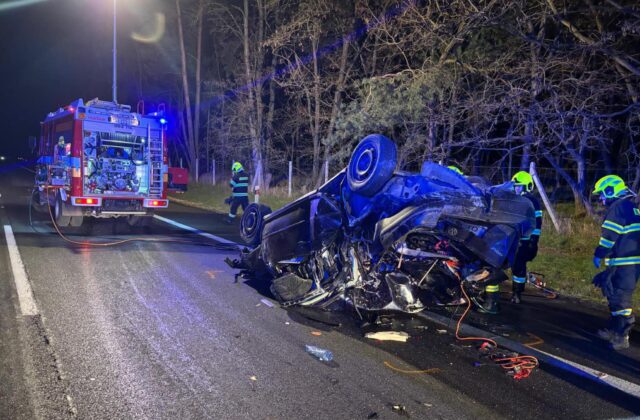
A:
x: 223, y: 247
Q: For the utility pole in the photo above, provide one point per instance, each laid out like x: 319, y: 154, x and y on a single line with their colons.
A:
x: 115, y: 64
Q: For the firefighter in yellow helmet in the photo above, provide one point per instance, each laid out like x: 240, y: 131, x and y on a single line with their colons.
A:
x: 528, y: 247
x: 456, y: 169
x: 239, y: 191
x: 619, y: 248
x: 527, y: 250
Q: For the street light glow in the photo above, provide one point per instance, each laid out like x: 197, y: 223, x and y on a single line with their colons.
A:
x: 18, y: 3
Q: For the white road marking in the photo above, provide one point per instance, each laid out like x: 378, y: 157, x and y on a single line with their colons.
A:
x: 575, y: 368
x: 25, y: 294
x: 194, y: 230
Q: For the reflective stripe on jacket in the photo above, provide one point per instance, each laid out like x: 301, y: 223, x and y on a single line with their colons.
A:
x: 239, y: 184
x: 620, y: 237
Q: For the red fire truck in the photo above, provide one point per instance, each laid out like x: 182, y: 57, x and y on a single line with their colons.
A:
x: 99, y: 159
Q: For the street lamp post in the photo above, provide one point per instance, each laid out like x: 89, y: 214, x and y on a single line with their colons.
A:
x: 115, y: 64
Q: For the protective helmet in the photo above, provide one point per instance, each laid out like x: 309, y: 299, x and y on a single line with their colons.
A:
x: 237, y: 167
x: 524, y: 179
x: 455, y: 169
x: 610, y: 186
x: 61, y: 140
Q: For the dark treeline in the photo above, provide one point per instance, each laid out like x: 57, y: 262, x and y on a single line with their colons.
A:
x: 471, y: 83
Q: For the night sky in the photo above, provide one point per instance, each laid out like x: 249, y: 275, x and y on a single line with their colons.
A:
x: 59, y: 50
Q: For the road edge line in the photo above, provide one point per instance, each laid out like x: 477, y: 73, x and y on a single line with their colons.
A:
x: 575, y: 368
x: 197, y: 231
x: 27, y: 302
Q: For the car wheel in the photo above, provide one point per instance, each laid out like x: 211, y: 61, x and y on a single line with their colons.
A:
x: 76, y: 221
x: 372, y: 164
x: 252, y: 222
x: 60, y: 218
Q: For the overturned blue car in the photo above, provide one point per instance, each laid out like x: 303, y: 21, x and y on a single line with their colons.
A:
x: 382, y: 239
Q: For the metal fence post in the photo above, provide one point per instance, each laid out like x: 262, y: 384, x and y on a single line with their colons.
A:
x: 290, y: 175
x: 213, y: 172
x: 197, y: 171
x: 326, y: 171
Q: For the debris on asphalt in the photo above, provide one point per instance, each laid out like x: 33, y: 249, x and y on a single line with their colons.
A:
x: 411, y: 372
x: 373, y: 415
x: 267, y: 302
x: 253, y: 378
x: 400, y: 410
x: 427, y: 405
x: 388, y: 336
x: 316, y: 333
x: 287, y: 323
x: 321, y: 354
x: 441, y: 331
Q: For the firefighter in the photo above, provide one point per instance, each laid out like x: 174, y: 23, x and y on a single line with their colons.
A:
x: 455, y: 169
x: 619, y: 248
x: 528, y: 247
x: 61, y: 148
x: 527, y: 251
x: 239, y: 191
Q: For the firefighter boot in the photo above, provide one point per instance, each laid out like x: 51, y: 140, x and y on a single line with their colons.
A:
x: 608, y: 332
x: 620, y: 337
x: 489, y: 305
x: 516, y: 296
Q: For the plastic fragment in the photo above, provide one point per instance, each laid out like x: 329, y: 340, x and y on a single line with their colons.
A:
x: 267, y: 302
x: 316, y: 333
x: 253, y: 378
x: 441, y: 331
x: 388, y: 336
x: 321, y: 354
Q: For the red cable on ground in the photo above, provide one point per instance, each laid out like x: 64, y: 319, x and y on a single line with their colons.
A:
x: 105, y: 244
x: 522, y: 366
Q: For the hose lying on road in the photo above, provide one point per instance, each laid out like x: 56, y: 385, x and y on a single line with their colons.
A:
x: 222, y: 247
x: 521, y: 366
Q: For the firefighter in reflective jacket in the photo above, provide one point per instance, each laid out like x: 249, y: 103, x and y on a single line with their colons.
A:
x: 239, y: 191
x: 527, y: 251
x: 528, y: 247
x: 619, y: 247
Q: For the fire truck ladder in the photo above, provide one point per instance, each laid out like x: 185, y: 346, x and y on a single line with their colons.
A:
x: 155, y: 164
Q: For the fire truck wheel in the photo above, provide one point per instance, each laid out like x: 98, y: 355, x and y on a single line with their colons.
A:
x: 61, y: 220
x: 76, y: 221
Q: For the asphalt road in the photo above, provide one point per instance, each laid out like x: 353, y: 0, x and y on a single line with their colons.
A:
x: 160, y: 329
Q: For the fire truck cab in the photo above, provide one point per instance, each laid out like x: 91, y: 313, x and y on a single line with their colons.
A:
x: 99, y: 159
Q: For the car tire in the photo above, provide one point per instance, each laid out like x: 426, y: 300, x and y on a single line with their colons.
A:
x: 60, y: 219
x: 252, y: 222
x: 372, y: 164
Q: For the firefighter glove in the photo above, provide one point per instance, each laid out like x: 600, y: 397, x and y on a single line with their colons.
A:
x: 597, y: 262
x: 227, y: 200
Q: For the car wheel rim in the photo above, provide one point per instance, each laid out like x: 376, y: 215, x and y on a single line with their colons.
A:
x: 365, y: 164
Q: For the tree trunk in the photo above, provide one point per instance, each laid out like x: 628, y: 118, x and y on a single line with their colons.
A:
x: 196, y: 128
x: 256, y: 152
x: 191, y: 146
